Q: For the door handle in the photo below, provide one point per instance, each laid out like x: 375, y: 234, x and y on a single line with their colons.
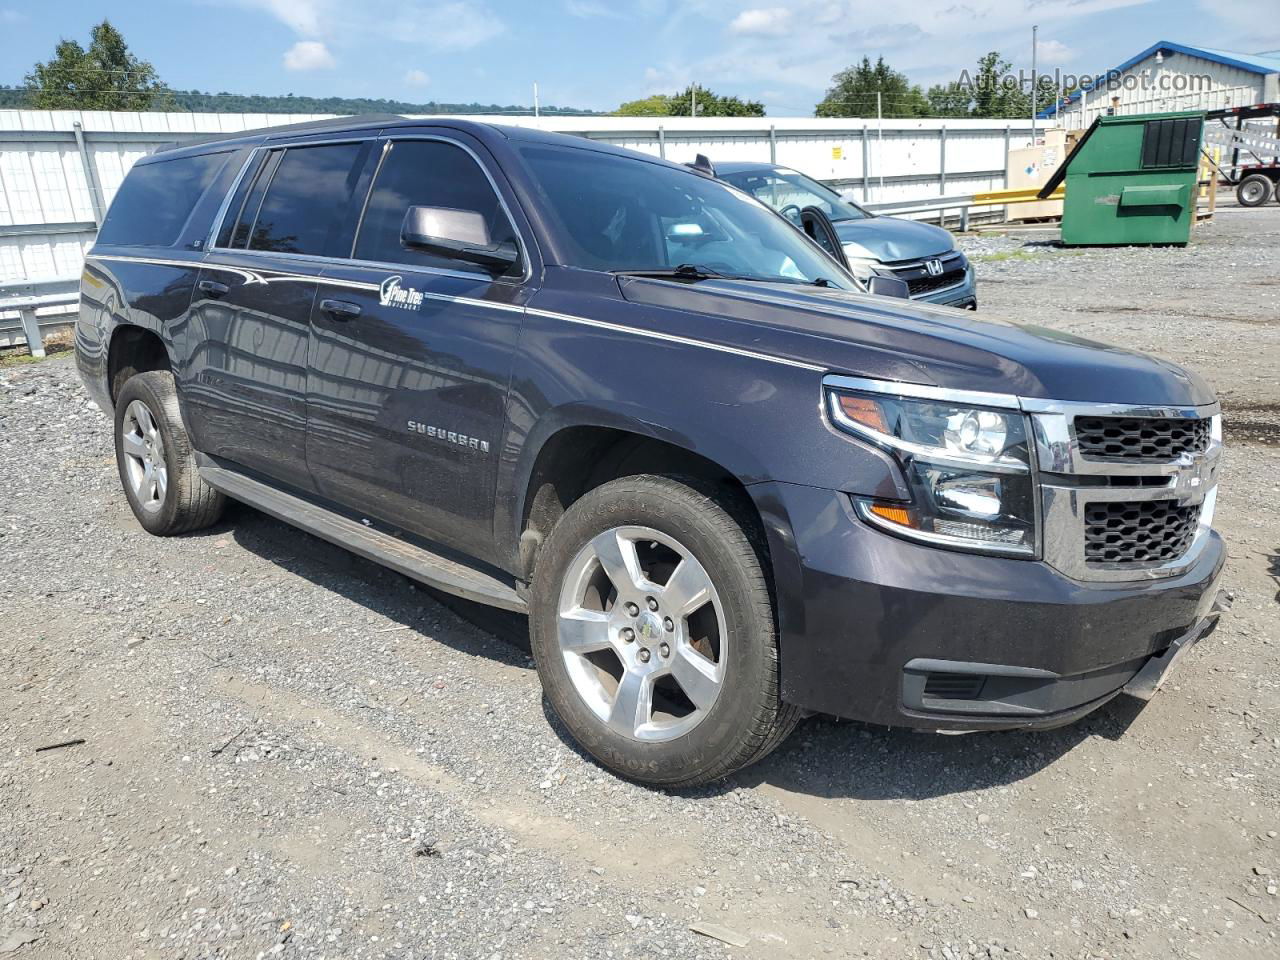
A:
x: 340, y: 309
x: 213, y: 288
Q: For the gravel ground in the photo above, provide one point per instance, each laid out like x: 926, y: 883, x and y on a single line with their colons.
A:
x: 290, y: 752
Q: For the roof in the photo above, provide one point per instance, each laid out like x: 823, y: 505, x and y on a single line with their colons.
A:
x: 1260, y: 63
x: 484, y: 131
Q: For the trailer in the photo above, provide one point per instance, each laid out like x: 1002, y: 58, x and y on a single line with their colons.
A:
x: 1254, y: 144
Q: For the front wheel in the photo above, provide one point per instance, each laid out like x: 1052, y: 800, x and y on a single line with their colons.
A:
x: 653, y: 631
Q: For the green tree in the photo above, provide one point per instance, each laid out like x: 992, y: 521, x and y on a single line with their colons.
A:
x: 853, y: 93
x: 106, y: 76
x: 659, y: 105
x: 680, y: 104
x: 950, y: 100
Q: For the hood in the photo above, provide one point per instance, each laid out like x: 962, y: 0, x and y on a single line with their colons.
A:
x: 877, y: 337
x: 888, y: 239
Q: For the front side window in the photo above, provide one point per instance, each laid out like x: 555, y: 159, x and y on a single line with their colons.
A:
x: 625, y: 215
x: 789, y: 192
x: 427, y: 173
x: 156, y: 199
x: 297, y: 199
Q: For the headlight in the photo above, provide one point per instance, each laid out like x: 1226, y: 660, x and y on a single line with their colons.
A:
x: 968, y: 469
x: 864, y: 268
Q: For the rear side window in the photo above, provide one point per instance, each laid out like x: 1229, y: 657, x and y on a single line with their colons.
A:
x: 296, y: 199
x: 156, y: 199
x: 426, y: 173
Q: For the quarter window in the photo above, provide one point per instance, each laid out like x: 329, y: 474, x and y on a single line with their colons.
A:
x: 156, y: 199
x: 427, y: 173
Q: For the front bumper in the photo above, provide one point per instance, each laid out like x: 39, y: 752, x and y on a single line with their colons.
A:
x: 880, y: 629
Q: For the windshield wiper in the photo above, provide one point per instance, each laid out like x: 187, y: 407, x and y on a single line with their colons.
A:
x: 692, y: 271
x: 684, y: 271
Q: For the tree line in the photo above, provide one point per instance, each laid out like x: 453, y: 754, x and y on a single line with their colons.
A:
x: 106, y: 75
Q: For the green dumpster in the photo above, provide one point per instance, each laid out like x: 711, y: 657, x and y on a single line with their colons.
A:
x: 1131, y: 180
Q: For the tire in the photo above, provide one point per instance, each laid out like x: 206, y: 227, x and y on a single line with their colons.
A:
x: 156, y: 463
x: 696, y: 651
x: 1254, y: 190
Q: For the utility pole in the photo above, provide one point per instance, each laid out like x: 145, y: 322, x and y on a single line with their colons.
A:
x: 537, y: 110
x: 1034, y: 28
x: 693, y: 99
x: 880, y: 142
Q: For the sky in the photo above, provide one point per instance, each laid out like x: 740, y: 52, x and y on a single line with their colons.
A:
x: 594, y: 54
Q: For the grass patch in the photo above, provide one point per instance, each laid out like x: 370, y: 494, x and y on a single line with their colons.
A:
x: 1004, y: 255
x: 21, y: 356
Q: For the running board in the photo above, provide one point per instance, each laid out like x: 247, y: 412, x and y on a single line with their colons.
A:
x: 414, y: 562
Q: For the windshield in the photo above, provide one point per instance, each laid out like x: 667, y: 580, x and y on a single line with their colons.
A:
x: 789, y: 192
x: 625, y: 215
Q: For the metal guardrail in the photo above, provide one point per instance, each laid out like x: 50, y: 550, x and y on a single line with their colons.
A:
x: 939, y: 205
x: 25, y: 297
x: 992, y: 198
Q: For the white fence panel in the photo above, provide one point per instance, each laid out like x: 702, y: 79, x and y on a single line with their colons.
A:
x: 54, y: 165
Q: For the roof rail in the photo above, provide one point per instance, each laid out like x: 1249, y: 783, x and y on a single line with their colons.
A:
x: 286, y: 129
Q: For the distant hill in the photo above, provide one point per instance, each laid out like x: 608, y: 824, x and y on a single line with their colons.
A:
x: 193, y: 101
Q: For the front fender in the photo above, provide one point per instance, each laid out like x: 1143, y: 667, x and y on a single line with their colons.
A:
x: 757, y: 419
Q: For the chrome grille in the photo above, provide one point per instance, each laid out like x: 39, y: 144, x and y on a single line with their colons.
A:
x: 1150, y: 531
x: 1141, y: 438
x: 1127, y: 492
x: 920, y: 282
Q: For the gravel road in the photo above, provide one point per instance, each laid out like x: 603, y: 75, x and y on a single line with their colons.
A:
x: 290, y: 752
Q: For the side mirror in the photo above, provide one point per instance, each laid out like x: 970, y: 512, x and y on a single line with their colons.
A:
x: 456, y: 234
x: 889, y: 287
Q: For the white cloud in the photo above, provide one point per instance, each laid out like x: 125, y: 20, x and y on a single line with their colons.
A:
x: 301, y: 16
x: 416, y: 78
x: 434, y: 24
x: 794, y: 51
x: 308, y: 55
x: 441, y: 26
x: 768, y: 21
x: 1054, y: 51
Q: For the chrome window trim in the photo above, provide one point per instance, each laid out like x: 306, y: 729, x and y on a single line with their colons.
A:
x: 267, y: 147
x: 226, y: 200
x: 526, y: 256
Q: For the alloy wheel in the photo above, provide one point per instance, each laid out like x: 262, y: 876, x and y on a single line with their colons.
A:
x: 641, y: 630
x: 143, y: 448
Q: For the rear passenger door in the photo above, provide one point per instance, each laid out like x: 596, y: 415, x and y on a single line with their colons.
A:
x: 411, y: 354
x: 251, y: 312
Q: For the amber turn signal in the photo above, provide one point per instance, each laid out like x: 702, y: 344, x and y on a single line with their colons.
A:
x: 863, y: 410
x: 899, y: 515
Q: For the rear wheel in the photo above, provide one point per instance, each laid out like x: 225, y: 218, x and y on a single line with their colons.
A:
x: 157, y: 465
x: 653, y: 631
x: 1254, y: 190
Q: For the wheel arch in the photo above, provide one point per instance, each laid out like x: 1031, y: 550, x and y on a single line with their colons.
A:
x: 582, y: 454
x: 134, y: 349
